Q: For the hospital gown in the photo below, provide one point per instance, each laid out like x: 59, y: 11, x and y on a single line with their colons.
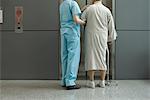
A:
x: 99, y: 30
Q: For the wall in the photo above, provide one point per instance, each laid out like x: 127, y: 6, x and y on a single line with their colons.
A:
x: 32, y: 54
x: 149, y: 39
x: 0, y: 48
x: 132, y: 52
x: 149, y: 54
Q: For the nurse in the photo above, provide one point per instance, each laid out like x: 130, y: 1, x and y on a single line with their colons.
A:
x: 70, y: 42
x: 99, y: 31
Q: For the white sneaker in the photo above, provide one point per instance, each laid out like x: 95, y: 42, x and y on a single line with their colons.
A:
x: 102, y: 83
x: 90, y: 84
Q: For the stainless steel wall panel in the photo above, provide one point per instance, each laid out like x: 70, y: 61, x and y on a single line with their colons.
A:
x: 149, y: 14
x: 0, y: 52
x: 149, y: 39
x: 31, y: 55
x: 132, y: 54
x: 132, y: 15
x: 149, y: 54
x: 38, y: 14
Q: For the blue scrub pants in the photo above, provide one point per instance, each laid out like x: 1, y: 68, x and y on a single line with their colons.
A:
x: 70, y: 57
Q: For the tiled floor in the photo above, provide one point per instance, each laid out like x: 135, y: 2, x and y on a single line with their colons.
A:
x: 50, y: 90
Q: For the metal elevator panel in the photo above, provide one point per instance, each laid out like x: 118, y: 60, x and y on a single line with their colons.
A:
x: 149, y: 40
x: 38, y: 14
x: 0, y: 47
x: 132, y: 55
x: 149, y: 54
x: 132, y: 15
x: 31, y: 55
x: 132, y: 23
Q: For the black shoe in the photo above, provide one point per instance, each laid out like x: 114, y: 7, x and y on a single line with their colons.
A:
x: 73, y: 87
x: 63, y: 86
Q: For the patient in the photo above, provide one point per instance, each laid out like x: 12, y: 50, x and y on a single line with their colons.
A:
x: 99, y: 30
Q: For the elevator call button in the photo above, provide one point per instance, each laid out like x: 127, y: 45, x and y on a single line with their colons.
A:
x: 1, y: 16
x: 18, y: 19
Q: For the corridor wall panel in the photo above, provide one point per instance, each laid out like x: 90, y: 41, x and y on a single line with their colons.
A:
x: 149, y: 54
x: 132, y: 14
x: 34, y: 53
x: 37, y: 14
x: 149, y: 39
x: 133, y: 26
x: 0, y: 53
x: 132, y: 55
x: 31, y: 55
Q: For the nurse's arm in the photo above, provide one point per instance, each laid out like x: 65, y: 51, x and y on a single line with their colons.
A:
x: 78, y: 20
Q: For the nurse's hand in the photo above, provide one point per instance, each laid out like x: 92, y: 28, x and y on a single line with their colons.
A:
x: 78, y: 20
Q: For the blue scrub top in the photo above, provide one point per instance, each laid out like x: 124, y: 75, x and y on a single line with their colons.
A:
x: 68, y: 9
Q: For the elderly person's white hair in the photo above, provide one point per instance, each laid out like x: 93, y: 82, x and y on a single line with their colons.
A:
x: 95, y: 1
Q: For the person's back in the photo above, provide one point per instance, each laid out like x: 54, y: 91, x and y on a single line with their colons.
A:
x: 69, y: 9
x: 70, y: 42
x: 97, y: 18
x: 99, y: 31
x: 66, y: 15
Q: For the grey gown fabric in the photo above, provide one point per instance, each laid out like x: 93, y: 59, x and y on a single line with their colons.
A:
x: 99, y: 30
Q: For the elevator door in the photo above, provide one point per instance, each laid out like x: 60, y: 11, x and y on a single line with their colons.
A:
x: 32, y: 54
